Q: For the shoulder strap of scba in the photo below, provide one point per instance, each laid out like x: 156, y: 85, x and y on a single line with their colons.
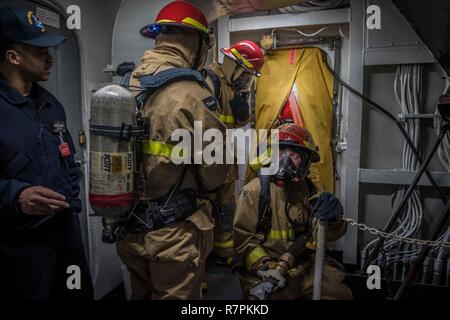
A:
x: 264, y: 210
x: 217, y: 85
x: 152, y: 83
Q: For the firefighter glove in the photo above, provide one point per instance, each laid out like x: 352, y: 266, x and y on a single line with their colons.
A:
x: 325, y: 206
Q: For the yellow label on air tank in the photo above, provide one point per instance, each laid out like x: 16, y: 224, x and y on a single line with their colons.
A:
x: 111, y: 173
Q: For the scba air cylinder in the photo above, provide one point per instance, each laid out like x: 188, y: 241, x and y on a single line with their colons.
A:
x: 111, y: 193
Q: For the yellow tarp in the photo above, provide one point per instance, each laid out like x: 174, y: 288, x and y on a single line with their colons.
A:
x: 306, y: 68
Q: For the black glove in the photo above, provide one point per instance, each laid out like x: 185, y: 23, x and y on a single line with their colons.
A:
x: 240, y: 107
x: 124, y: 68
x: 298, y: 247
x: 325, y: 206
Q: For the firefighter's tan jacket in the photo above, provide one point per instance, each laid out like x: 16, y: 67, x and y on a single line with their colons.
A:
x: 250, y: 246
x: 223, y: 244
x: 226, y: 114
x: 178, y: 106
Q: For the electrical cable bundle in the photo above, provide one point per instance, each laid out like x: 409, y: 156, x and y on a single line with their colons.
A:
x: 314, y: 5
x: 408, y: 92
x: 413, y: 219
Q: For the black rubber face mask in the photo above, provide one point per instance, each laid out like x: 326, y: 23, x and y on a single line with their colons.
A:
x: 241, y: 84
x: 287, y: 171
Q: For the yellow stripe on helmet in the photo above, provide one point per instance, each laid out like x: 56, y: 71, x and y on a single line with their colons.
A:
x: 195, y: 23
x: 239, y: 56
x: 165, y: 21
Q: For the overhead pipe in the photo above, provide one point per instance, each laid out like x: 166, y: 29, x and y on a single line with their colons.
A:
x: 220, y: 8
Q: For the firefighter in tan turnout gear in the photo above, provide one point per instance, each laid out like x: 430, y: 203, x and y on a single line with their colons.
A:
x: 231, y: 82
x: 171, y: 234
x: 275, y: 227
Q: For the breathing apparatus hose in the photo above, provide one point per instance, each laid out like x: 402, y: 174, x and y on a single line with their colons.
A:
x: 391, y: 117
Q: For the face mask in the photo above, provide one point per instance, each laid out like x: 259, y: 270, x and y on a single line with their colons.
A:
x: 286, y: 173
x: 242, y: 84
x: 239, y: 106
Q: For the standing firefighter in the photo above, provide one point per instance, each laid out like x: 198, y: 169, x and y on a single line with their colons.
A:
x: 231, y: 82
x: 275, y: 227
x: 171, y: 232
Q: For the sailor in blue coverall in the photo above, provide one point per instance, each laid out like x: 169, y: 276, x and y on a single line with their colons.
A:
x: 40, y: 236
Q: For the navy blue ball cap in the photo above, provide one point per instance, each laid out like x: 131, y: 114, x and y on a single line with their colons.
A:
x: 21, y: 26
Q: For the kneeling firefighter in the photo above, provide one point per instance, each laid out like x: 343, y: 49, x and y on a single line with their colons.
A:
x: 275, y: 227
x: 231, y: 83
x: 169, y: 232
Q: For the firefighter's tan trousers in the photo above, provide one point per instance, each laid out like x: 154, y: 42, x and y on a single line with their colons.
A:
x: 223, y: 230
x: 300, y: 282
x: 168, y: 263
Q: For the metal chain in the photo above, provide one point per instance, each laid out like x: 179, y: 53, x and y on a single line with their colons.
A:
x: 386, y: 235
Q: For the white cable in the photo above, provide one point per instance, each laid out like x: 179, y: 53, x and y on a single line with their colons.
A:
x: 312, y: 34
x: 301, y: 32
x: 341, y: 33
x: 408, y: 92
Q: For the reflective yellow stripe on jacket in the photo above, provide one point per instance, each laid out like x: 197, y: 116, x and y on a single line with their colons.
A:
x: 254, y: 256
x: 289, y: 235
x: 281, y: 234
x: 223, y: 245
x: 157, y: 148
x: 261, y: 160
x: 227, y: 119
